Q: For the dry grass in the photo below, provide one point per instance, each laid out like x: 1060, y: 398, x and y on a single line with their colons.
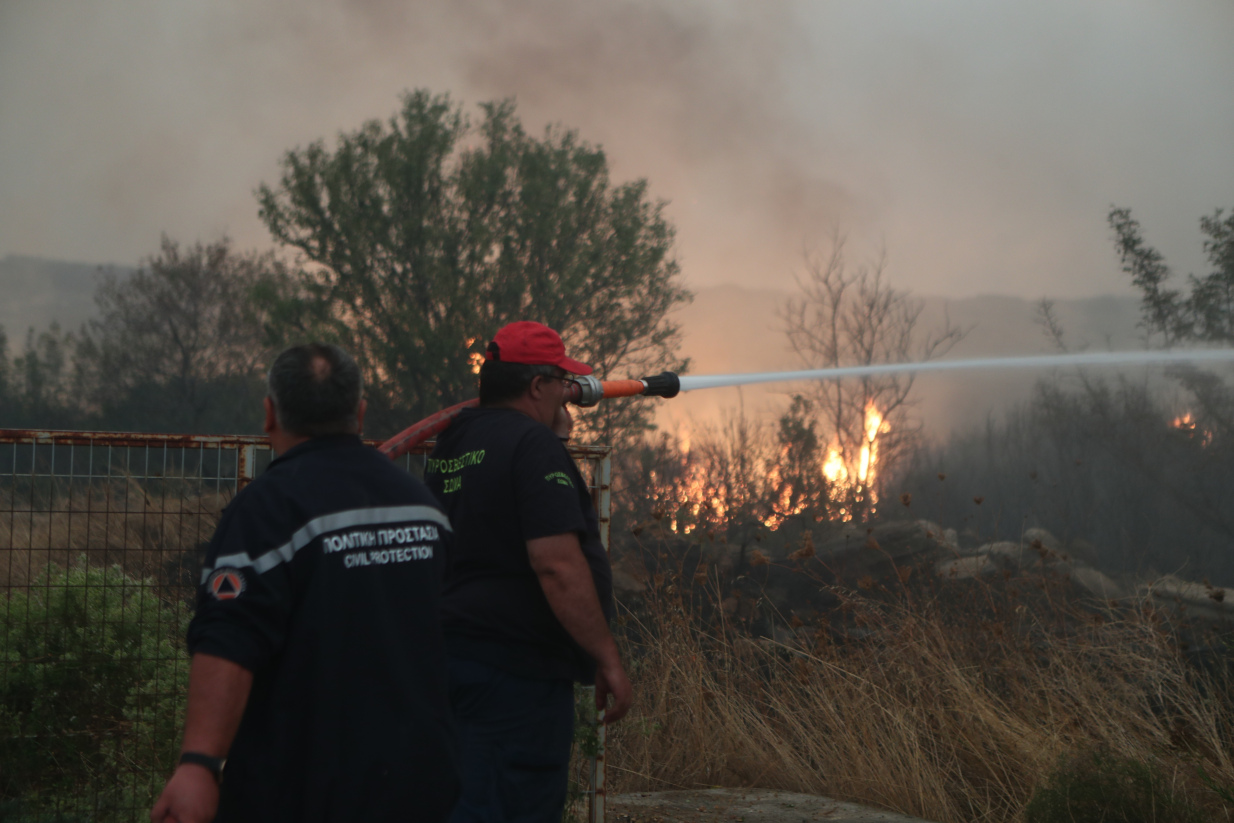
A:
x: 114, y: 522
x: 951, y: 715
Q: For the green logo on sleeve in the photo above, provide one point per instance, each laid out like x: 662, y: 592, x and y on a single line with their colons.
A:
x: 559, y: 477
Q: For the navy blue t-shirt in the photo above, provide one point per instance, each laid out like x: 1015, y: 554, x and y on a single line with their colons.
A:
x: 322, y: 580
x: 503, y: 479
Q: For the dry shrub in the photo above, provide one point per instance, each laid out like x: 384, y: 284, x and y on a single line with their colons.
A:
x: 952, y: 710
x: 1098, y: 786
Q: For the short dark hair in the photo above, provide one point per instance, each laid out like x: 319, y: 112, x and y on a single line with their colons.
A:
x: 502, y: 382
x: 316, y: 390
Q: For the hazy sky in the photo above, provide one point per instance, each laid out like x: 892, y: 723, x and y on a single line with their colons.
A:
x: 980, y: 142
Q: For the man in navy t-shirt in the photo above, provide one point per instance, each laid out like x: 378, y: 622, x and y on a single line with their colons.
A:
x: 318, y: 670
x: 527, y: 590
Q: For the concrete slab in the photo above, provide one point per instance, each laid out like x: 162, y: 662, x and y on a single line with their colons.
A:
x: 741, y: 806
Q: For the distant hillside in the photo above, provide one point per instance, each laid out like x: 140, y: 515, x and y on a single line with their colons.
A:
x: 726, y: 329
x: 734, y: 329
x: 37, y: 291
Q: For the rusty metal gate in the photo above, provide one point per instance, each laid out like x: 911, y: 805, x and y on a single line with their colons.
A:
x: 102, y: 536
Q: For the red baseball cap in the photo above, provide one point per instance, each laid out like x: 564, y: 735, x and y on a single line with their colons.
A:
x: 533, y: 344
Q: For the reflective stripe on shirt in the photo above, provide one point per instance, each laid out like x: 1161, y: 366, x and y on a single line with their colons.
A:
x: 318, y: 526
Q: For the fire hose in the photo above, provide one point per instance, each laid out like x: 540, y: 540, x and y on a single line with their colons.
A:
x: 588, y: 391
x: 584, y: 391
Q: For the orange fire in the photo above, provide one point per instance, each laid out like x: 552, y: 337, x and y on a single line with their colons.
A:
x: 854, y: 479
x: 692, y: 500
x: 850, y: 478
x: 783, y: 507
x: 475, y: 358
x: 1186, y: 423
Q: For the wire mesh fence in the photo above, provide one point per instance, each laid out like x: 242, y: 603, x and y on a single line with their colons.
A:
x: 102, y: 538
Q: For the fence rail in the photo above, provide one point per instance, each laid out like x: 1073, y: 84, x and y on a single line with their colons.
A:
x: 102, y: 536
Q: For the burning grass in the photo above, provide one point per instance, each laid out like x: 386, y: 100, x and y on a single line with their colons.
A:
x: 952, y: 708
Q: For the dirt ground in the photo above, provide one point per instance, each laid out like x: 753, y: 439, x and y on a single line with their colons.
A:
x: 741, y: 806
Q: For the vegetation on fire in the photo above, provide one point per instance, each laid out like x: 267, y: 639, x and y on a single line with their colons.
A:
x: 761, y: 656
x: 1005, y: 693
x: 953, y: 700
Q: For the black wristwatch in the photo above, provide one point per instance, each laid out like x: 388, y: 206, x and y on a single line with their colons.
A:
x: 214, y: 764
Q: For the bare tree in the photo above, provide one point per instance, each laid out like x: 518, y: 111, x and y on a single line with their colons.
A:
x: 846, y: 315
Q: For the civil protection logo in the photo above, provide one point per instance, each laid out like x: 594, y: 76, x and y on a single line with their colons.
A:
x: 226, y: 584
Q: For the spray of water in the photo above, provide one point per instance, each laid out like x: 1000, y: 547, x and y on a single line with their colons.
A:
x: 1127, y: 358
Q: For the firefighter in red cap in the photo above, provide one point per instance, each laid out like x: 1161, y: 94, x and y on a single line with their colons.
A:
x: 527, y: 590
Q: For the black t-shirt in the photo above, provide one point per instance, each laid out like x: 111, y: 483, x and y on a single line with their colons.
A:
x: 504, y: 479
x: 322, y: 580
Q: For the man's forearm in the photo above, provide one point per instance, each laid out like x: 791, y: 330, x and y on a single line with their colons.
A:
x: 218, y: 693
x: 566, y: 581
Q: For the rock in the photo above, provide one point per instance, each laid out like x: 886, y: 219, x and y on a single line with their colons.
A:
x: 626, y: 583
x: 1084, y: 551
x: 886, y: 556
x: 962, y: 568
x: 1005, y: 550
x: 899, y: 543
x: 629, y: 574
x: 1021, y: 555
x: 1196, y: 599
x: 1095, y: 582
x: 1042, y: 539
x: 750, y: 805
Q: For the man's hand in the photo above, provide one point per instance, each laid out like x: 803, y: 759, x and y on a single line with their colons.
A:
x: 612, y: 681
x: 566, y: 581
x: 218, y: 693
x: 563, y: 422
x: 190, y: 796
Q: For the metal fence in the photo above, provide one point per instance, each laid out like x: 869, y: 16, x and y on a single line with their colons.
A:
x: 102, y: 536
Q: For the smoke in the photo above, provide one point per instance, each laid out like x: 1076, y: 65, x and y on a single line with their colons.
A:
x: 695, y: 97
x: 980, y: 144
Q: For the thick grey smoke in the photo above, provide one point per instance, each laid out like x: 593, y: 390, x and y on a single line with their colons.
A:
x: 980, y: 143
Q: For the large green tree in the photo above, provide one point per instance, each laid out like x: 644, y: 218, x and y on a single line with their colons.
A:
x: 426, y: 233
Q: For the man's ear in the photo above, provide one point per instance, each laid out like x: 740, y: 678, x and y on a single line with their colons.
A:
x: 536, y: 390
x: 360, y: 410
x: 271, y: 423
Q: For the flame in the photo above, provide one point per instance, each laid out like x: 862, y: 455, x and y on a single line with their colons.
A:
x: 699, y: 498
x: 783, y: 507
x: 855, y: 480
x: 1186, y: 423
x: 833, y: 467
x: 875, y: 425
x: 693, y: 502
x: 475, y: 358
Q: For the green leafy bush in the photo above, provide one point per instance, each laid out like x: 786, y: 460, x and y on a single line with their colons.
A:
x: 1099, y: 787
x: 93, y: 678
